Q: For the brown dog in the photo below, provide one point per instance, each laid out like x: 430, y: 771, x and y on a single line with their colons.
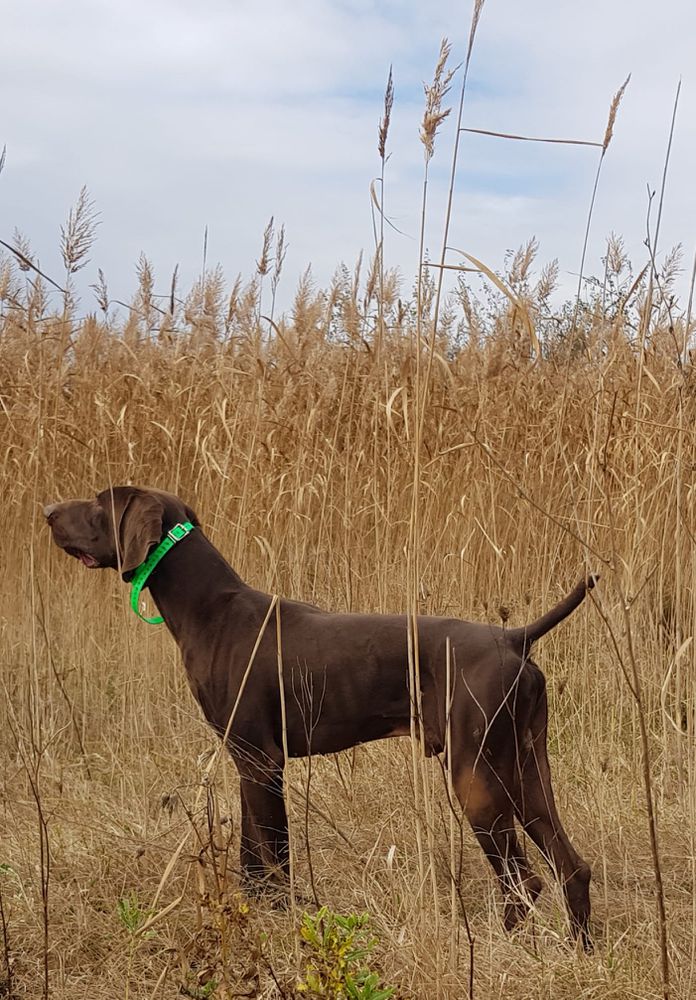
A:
x: 346, y: 682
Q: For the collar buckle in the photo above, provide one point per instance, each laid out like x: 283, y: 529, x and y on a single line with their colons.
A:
x: 179, y: 531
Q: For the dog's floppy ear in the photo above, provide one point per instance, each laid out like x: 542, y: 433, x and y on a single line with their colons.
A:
x: 139, y: 528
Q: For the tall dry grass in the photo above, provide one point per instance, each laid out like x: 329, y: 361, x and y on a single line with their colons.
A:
x: 297, y: 452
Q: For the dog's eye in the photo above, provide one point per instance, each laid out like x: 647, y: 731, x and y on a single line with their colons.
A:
x: 97, y: 517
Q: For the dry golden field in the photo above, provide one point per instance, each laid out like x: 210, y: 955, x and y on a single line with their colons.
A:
x: 298, y: 452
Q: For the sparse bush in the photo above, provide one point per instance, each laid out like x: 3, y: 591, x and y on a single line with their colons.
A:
x: 336, y: 951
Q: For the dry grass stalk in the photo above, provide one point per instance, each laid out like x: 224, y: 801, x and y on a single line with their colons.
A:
x: 378, y: 204
x: 435, y: 93
x: 263, y: 264
x: 279, y: 259
x: 613, y: 111
x: 79, y: 233
x: 101, y: 292
x: 386, y: 117
x: 533, y: 138
x: 475, y: 18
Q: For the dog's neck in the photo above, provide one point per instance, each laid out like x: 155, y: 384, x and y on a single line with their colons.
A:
x: 186, y: 582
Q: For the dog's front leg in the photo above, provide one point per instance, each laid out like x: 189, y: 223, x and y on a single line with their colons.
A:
x: 265, y: 858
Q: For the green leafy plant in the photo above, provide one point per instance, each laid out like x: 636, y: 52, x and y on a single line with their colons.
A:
x: 132, y: 916
x: 200, y: 992
x: 336, y: 950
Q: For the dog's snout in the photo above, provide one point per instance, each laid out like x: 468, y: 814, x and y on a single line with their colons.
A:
x: 49, y: 509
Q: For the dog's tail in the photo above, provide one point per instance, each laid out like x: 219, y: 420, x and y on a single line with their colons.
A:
x: 524, y: 637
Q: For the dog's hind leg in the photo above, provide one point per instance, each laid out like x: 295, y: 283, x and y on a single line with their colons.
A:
x: 536, y: 809
x: 489, y: 807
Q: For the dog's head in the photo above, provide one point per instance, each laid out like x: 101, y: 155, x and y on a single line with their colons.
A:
x: 118, y: 527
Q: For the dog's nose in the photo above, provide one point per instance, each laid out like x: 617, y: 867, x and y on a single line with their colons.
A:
x: 49, y: 509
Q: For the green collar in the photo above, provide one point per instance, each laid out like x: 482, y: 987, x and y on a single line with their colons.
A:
x: 144, y: 570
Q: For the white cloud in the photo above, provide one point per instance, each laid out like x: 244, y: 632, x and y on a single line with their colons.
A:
x: 223, y: 113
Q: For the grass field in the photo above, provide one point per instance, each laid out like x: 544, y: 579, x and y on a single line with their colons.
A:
x: 298, y: 455
x: 365, y: 451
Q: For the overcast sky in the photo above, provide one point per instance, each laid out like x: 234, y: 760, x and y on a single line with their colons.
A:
x: 179, y: 116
